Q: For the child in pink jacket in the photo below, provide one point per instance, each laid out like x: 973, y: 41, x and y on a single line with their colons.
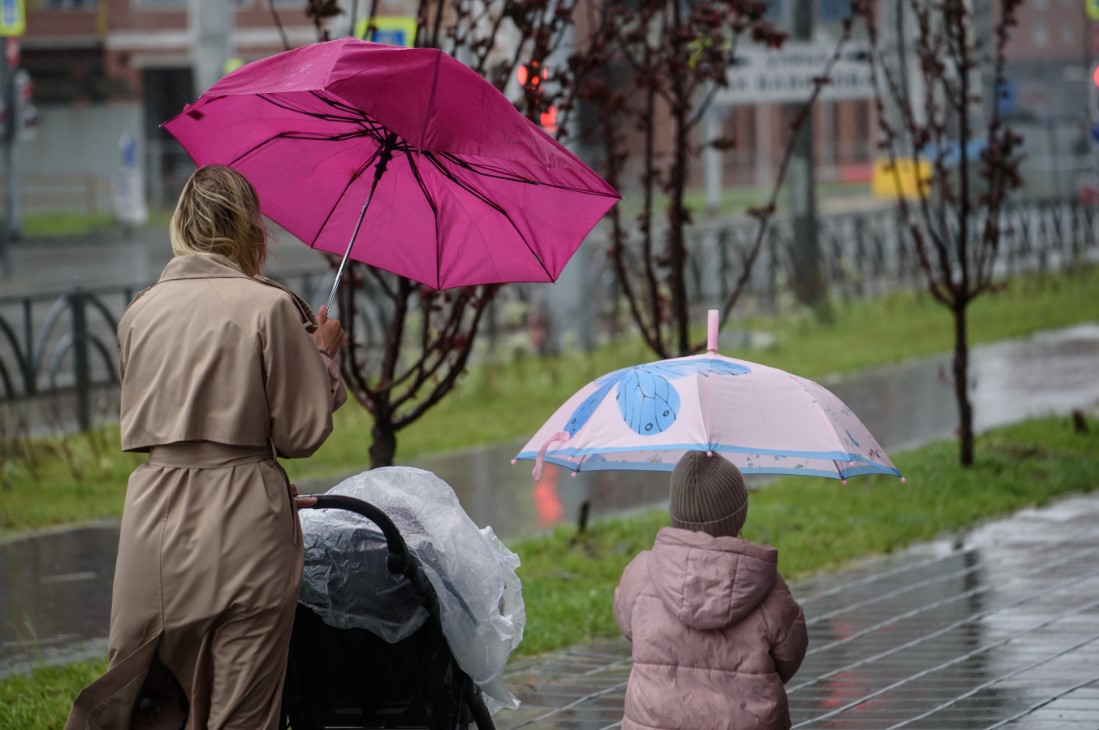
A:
x: 715, y: 631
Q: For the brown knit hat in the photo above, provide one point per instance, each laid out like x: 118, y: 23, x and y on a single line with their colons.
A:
x: 708, y: 495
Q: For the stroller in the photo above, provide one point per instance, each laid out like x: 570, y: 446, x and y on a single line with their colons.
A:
x: 352, y: 678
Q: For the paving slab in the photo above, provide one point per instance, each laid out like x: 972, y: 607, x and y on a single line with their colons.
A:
x: 994, y: 628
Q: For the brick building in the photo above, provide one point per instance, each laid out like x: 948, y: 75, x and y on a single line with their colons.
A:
x: 102, y: 65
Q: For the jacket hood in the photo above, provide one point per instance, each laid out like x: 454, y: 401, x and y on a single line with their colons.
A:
x: 710, y: 582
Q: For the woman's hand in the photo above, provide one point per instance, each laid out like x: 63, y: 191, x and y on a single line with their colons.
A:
x: 300, y: 502
x: 329, y: 335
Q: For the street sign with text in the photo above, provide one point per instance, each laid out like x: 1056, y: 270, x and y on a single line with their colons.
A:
x: 788, y: 74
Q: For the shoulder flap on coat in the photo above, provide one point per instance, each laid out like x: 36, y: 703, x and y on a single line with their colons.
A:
x: 308, y: 319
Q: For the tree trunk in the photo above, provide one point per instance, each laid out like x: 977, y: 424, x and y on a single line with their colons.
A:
x: 677, y: 245
x: 961, y: 384
x: 383, y: 444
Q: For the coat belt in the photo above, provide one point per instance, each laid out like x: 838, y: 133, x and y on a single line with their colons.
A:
x: 206, y: 455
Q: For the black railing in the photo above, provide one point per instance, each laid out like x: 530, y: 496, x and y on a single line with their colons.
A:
x: 63, y: 342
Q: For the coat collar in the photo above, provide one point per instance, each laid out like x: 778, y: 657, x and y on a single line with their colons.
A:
x: 199, y: 266
x: 204, y: 266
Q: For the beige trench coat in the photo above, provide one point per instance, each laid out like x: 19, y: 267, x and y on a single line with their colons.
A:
x: 218, y: 372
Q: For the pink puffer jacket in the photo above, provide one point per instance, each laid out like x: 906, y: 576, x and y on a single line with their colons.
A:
x: 715, y: 631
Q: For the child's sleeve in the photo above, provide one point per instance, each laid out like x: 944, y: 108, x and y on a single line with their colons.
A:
x: 625, y: 595
x: 789, y: 636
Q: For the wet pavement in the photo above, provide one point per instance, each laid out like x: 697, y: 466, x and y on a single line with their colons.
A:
x: 997, y: 628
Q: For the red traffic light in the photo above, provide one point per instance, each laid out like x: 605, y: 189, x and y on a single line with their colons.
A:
x: 530, y: 74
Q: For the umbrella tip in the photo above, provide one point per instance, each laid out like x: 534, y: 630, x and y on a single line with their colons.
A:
x: 574, y: 474
x: 712, y: 325
x: 843, y: 481
x: 709, y: 452
x: 514, y: 462
x: 904, y: 481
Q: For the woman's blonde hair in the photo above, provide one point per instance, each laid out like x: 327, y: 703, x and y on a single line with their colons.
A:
x: 218, y: 214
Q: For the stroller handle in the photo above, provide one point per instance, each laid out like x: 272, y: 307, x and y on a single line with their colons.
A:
x: 398, y: 552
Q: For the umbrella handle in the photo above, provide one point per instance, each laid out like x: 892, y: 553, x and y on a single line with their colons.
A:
x: 538, y: 460
x: 384, y: 156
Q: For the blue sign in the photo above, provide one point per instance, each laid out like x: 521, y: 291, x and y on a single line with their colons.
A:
x: 1007, y: 98
x: 390, y: 29
x: 1095, y: 132
x: 392, y: 36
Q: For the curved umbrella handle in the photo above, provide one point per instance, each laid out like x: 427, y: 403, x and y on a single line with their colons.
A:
x: 538, y: 460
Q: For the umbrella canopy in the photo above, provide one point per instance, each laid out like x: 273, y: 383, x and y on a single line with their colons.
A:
x: 764, y: 420
x: 465, y: 189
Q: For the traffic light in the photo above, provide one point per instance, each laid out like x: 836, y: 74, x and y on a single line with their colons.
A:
x: 531, y: 75
x: 1093, y: 93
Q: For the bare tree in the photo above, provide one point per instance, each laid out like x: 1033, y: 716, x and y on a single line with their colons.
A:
x: 658, y: 59
x: 409, y: 344
x: 955, y: 220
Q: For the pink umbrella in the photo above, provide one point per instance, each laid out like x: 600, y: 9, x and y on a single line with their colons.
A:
x: 764, y: 420
x: 466, y: 190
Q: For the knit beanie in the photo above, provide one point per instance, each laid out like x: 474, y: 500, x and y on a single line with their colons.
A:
x: 708, y: 495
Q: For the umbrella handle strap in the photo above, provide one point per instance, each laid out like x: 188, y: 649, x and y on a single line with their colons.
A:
x: 538, y: 460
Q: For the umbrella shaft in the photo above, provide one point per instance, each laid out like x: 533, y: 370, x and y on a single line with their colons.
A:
x: 384, y: 156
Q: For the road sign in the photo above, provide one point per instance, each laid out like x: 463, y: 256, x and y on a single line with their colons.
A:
x: 396, y: 30
x: 781, y: 75
x: 13, y: 17
x: 1007, y: 98
x: 1091, y: 7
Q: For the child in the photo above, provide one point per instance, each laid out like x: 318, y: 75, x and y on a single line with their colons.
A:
x: 715, y: 631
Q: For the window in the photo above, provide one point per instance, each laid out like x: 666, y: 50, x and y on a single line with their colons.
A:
x: 1068, y: 33
x: 833, y: 11
x: 1039, y: 34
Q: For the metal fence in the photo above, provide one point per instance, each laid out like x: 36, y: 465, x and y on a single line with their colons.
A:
x: 62, y: 343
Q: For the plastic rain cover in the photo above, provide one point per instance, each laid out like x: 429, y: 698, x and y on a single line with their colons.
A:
x: 347, y: 584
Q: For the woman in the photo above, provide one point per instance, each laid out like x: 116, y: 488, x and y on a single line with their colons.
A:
x: 219, y: 375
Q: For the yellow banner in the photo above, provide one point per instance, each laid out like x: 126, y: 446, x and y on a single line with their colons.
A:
x: 903, y: 181
x: 13, y: 17
x: 395, y: 30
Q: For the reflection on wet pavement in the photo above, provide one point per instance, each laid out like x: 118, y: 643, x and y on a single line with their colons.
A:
x: 55, y: 589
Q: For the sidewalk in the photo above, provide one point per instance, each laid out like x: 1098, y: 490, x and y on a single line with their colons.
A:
x: 997, y: 628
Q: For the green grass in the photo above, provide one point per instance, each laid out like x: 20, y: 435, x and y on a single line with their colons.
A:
x: 737, y: 200
x: 41, y: 701
x: 71, y: 223
x: 816, y: 524
x: 80, y: 477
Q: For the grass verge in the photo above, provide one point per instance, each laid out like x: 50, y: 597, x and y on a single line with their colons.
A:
x: 816, y: 524
x: 79, y: 477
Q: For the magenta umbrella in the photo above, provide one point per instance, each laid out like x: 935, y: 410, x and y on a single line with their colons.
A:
x: 428, y: 168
